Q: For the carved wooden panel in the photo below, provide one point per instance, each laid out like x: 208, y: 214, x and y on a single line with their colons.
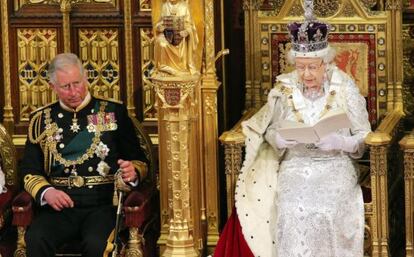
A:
x: 99, y: 51
x: 147, y: 67
x: 98, y: 31
x: 35, y: 47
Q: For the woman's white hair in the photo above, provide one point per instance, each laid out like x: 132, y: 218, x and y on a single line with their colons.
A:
x: 327, y: 55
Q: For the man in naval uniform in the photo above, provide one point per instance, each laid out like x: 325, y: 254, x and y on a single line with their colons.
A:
x: 74, y: 148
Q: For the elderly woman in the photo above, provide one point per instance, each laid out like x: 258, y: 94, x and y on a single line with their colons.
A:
x: 292, y: 198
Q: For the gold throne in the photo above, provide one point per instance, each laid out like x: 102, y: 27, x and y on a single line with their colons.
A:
x: 365, y: 44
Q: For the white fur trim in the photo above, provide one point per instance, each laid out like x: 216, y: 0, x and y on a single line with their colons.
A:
x: 319, y: 53
x: 255, y: 195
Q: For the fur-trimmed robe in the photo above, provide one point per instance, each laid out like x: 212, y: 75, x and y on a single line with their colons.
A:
x: 251, y: 229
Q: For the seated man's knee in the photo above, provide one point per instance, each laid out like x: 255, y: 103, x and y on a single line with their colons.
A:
x: 34, y: 236
x: 38, y: 244
x: 94, y: 246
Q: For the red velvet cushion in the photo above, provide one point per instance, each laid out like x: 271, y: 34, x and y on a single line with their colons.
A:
x: 5, y: 200
x: 22, y: 209
x: 7, y: 247
x: 8, y: 238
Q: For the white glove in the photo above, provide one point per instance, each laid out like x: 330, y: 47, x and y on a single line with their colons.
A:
x: 335, y: 141
x: 283, y: 143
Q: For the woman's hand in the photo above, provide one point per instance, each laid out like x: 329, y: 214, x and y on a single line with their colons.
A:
x: 283, y: 143
x: 338, y: 142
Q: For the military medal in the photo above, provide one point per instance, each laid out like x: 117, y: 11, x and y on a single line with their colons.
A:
x: 108, y: 122
x: 75, y: 126
x: 102, y: 151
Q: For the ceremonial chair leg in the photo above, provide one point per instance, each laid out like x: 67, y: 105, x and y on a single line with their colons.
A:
x: 21, y: 243
x: 135, y: 240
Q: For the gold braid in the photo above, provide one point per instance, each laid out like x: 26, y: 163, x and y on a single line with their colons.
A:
x: 51, y: 144
x: 48, y: 143
x: 288, y: 93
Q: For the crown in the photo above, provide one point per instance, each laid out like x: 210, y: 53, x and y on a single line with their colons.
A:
x: 311, y: 35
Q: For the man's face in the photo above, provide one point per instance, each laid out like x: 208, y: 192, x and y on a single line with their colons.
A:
x: 71, y: 86
x: 311, y: 71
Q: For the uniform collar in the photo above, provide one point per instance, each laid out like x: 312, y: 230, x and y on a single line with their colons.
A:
x: 84, y: 103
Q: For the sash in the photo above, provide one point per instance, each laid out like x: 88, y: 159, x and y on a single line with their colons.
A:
x: 78, y: 145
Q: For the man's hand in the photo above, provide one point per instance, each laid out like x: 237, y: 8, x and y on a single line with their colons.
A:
x: 57, y: 199
x: 128, y: 171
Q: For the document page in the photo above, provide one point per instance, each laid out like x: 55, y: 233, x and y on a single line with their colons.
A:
x: 302, y: 133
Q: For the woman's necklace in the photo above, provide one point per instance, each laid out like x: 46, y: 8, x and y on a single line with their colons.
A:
x: 329, y: 100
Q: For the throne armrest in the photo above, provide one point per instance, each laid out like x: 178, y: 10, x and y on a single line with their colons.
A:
x: 387, y: 129
x: 233, y: 142
x: 382, y: 171
x: 138, y: 206
x: 22, y: 209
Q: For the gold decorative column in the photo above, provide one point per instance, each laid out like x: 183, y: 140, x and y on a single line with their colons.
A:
x: 65, y: 8
x: 8, y: 120
x: 395, y: 69
x: 177, y: 122
x: 209, y: 130
x: 129, y: 57
x: 378, y: 143
x: 407, y: 145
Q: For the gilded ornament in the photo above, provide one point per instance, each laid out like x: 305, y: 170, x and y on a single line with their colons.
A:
x: 296, y: 10
x: 326, y: 8
x: 76, y: 181
x: 349, y: 11
x: 371, y: 28
x: 175, y: 40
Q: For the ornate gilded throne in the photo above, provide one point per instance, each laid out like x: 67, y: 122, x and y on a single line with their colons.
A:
x: 139, y: 207
x: 8, y: 165
x: 364, y: 35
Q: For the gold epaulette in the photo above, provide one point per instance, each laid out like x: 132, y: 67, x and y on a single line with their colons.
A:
x: 43, y: 107
x: 35, y: 127
x: 33, y: 183
x: 283, y: 89
x: 108, y: 99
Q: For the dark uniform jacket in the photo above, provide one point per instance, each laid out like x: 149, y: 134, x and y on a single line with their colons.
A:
x: 58, y: 155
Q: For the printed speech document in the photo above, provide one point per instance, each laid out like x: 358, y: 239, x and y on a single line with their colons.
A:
x: 303, y: 133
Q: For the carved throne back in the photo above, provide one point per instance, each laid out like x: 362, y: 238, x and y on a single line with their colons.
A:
x: 362, y: 39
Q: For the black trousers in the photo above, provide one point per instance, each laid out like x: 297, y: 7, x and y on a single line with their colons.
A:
x: 91, y: 226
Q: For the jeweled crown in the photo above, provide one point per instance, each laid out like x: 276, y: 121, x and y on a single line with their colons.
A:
x: 311, y: 35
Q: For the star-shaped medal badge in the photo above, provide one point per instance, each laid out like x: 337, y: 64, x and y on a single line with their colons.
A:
x: 75, y: 126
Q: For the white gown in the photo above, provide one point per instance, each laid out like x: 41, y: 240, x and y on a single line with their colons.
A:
x: 302, y: 202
